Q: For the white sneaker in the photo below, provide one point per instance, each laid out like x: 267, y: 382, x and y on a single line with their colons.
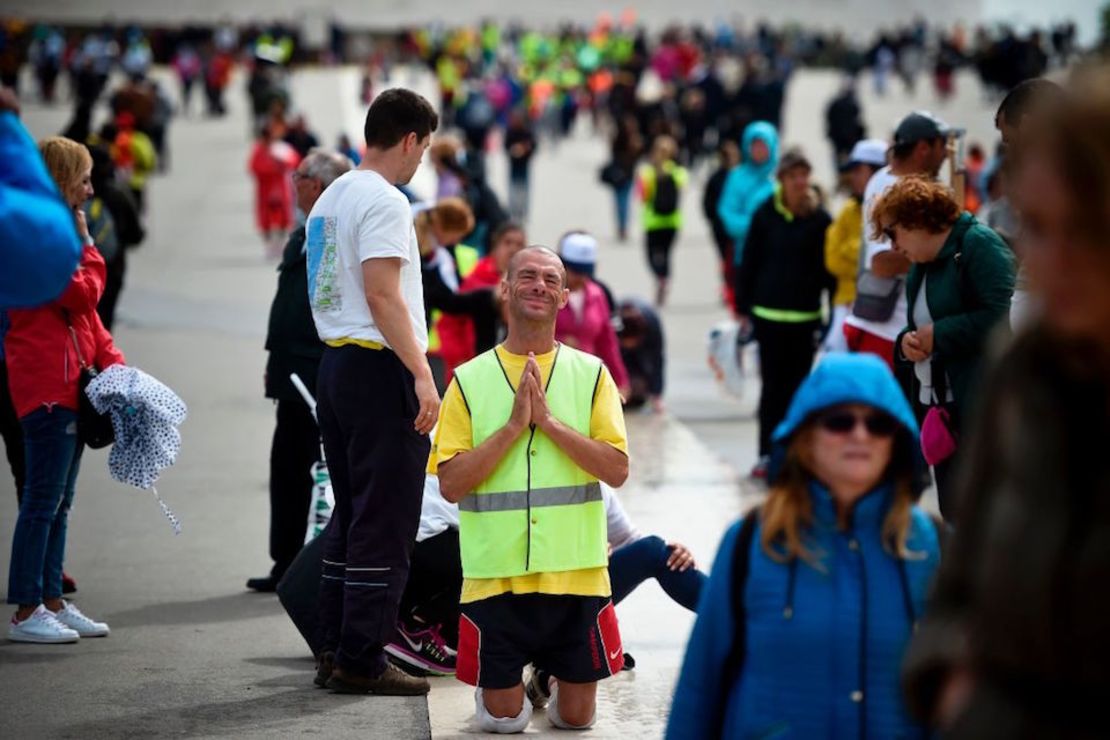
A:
x: 41, y: 627
x: 72, y: 617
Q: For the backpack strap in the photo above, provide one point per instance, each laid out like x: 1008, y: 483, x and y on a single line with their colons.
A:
x: 734, y: 661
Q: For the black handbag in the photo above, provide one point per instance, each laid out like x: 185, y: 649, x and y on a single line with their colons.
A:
x: 94, y: 429
x: 614, y: 175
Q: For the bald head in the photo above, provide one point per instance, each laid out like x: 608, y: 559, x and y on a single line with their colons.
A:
x: 532, y: 254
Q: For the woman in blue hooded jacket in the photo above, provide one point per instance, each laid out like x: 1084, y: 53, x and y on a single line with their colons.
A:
x: 750, y: 184
x: 813, y: 596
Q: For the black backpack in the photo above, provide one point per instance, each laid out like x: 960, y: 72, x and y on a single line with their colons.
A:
x: 665, y: 201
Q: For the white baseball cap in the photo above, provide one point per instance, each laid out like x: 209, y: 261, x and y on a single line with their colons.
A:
x: 867, y: 151
x: 579, y: 252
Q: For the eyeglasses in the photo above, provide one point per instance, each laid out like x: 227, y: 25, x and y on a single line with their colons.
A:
x: 845, y: 422
x: 298, y: 175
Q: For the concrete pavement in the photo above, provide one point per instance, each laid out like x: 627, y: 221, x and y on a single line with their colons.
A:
x: 191, y: 652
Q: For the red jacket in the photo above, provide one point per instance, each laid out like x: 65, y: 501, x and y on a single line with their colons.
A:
x: 42, y: 365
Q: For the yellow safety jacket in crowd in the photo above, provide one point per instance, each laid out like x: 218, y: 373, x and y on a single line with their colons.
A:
x: 654, y: 221
x: 842, y: 244
x: 538, y: 512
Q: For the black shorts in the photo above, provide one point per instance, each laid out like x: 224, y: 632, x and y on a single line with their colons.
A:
x: 575, y: 638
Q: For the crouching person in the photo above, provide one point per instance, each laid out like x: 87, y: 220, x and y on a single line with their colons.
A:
x: 526, y: 431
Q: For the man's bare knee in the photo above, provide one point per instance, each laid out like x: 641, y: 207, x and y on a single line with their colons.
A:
x: 504, y: 702
x: 576, y: 703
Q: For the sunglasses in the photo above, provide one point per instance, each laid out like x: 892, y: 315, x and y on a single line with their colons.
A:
x: 844, y: 422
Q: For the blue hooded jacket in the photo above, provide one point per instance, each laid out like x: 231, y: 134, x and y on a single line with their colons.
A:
x: 822, y: 645
x: 39, y: 245
x: 748, y: 185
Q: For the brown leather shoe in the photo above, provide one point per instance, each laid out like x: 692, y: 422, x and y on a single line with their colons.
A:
x: 392, y: 682
x: 325, y: 664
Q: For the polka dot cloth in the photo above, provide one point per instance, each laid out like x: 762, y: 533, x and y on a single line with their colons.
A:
x: 145, y: 416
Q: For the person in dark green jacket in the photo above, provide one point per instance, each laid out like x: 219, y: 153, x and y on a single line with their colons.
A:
x: 294, y: 347
x: 958, y: 292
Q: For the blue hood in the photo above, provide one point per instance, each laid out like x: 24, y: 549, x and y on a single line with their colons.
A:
x: 846, y: 378
x: 770, y: 136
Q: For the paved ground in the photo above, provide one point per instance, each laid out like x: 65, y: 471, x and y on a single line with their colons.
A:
x: 191, y: 652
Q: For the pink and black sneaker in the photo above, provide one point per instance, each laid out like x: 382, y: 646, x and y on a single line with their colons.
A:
x: 424, y: 650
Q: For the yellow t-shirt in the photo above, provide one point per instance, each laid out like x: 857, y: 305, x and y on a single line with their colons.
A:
x: 453, y: 436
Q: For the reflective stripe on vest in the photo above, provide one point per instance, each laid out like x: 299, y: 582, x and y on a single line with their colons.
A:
x: 517, y: 500
x: 537, y: 512
x: 783, y: 316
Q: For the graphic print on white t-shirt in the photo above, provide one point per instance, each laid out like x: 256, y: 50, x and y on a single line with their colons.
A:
x: 323, y: 260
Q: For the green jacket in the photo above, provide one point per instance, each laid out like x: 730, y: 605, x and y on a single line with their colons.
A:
x: 646, y: 188
x: 968, y: 298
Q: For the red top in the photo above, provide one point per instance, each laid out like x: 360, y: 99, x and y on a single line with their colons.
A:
x: 42, y: 364
x: 272, y: 164
x: 457, y: 340
x: 593, y: 332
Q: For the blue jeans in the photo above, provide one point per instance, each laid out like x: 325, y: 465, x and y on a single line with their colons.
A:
x: 623, y: 197
x: 634, y: 563
x: 53, y: 455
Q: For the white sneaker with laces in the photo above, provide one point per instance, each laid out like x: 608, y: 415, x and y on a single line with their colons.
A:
x: 41, y: 627
x: 72, y: 617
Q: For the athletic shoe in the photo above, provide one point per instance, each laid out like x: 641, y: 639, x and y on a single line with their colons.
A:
x: 392, y: 682
x: 41, y: 627
x: 424, y: 649
x: 72, y: 617
x: 538, y: 687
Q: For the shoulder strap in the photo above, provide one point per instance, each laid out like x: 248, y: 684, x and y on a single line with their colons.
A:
x: 734, y: 661
x: 944, y: 533
x: 939, y: 373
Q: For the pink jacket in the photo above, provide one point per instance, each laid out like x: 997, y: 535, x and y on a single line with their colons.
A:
x: 593, y: 332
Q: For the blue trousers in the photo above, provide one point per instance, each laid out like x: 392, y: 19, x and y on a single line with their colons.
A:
x: 53, y: 458
x: 636, y: 562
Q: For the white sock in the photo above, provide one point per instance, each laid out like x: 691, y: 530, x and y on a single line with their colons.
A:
x: 556, y: 719
x: 501, y: 725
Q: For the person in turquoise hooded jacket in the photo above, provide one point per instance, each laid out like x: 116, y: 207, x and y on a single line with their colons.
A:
x: 750, y: 184
x: 814, y: 595
x: 37, y: 230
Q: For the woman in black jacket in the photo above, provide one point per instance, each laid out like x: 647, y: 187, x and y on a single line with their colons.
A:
x: 779, y: 286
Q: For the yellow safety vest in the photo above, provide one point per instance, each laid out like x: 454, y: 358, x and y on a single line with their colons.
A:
x: 538, y: 512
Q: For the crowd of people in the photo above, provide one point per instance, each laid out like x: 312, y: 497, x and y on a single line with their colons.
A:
x: 476, y: 529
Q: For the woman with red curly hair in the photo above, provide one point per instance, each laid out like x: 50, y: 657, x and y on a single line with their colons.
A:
x: 958, y: 290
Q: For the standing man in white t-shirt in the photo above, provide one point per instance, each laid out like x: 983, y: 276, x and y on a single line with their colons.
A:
x: 879, y: 312
x: 377, y: 399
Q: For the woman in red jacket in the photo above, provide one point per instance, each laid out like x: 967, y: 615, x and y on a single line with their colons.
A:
x: 45, y: 349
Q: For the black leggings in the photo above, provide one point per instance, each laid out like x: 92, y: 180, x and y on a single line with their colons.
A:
x: 659, y: 243
x: 785, y: 357
x: 435, y: 582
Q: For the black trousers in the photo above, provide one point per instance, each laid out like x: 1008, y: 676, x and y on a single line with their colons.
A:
x: 113, y: 286
x: 296, y: 447
x: 367, y: 406
x: 659, y: 243
x: 12, y: 433
x: 435, y: 583
x: 786, y: 353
